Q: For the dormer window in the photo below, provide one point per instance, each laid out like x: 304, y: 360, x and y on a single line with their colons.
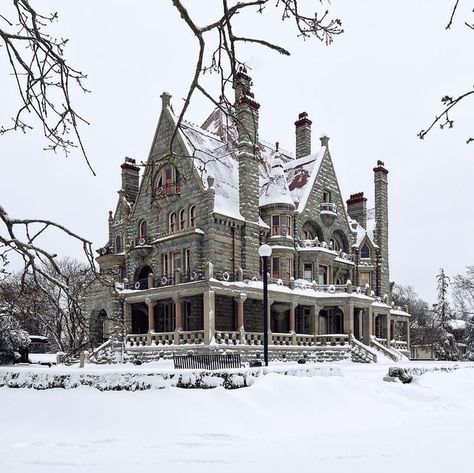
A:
x: 365, y: 251
x: 169, y: 181
x: 326, y: 196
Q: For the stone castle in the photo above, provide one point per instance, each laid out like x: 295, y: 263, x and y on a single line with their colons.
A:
x: 182, y: 254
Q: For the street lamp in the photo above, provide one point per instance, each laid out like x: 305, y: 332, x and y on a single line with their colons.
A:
x: 265, y: 251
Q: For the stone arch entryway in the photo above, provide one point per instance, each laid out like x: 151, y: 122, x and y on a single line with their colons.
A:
x: 141, y: 277
x: 96, y: 327
x: 139, y: 318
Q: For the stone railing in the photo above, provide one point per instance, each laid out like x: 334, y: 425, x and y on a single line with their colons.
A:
x: 195, y: 337
x: 162, y: 338
x: 332, y: 288
x: 136, y: 340
x: 362, y: 352
x: 399, y: 345
x: 281, y: 339
x: 228, y: 338
x: 304, y: 340
x: 333, y: 339
x: 328, y: 207
x: 381, y: 345
x: 253, y: 338
x: 302, y: 244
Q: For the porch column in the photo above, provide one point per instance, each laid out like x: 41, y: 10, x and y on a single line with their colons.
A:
x: 388, y: 326
x: 368, y: 319
x: 151, y: 318
x: 349, y: 319
x: 127, y: 313
x: 293, y: 307
x: 240, y: 311
x: 361, y: 325
x: 151, y: 314
x: 209, y: 307
x: 315, y: 319
x: 269, y: 319
x: 178, y: 310
x: 292, y: 316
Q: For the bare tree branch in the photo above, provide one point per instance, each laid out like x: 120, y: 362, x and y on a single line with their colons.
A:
x: 43, y: 79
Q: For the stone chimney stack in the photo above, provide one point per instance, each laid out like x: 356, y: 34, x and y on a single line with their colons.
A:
x: 248, y: 154
x: 381, y: 225
x: 130, y: 179
x: 303, y: 135
x: 357, y: 208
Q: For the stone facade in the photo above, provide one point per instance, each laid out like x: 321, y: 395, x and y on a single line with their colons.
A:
x: 182, y: 255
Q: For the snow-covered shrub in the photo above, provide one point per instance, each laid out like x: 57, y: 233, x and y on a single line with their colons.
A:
x: 12, y: 339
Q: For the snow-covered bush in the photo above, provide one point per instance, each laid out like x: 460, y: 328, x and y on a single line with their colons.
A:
x: 12, y: 339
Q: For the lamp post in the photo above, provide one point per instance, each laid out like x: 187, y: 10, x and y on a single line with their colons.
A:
x: 265, y: 251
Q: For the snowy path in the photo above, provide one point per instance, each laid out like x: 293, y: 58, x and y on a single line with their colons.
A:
x: 356, y: 422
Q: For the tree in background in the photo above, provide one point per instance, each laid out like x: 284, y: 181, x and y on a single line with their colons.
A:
x: 45, y: 308
x: 12, y: 338
x: 463, y: 295
x: 442, y: 307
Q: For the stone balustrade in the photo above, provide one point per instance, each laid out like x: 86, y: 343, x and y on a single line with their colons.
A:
x: 399, y: 345
x: 228, y: 338
x: 253, y: 338
x: 162, y: 338
x: 304, y: 340
x: 281, y: 339
x: 333, y: 339
x: 136, y: 340
x: 195, y: 337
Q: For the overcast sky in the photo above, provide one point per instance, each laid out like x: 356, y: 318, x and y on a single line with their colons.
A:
x: 371, y: 92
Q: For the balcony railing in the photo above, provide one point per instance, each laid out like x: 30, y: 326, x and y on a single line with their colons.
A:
x: 329, y: 207
x: 167, y: 280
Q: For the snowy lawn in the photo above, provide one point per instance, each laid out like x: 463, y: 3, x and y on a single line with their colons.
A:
x: 335, y: 424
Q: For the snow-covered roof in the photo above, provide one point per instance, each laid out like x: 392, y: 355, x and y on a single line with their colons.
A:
x: 362, y: 233
x: 213, y: 148
x: 457, y: 324
x: 301, y: 174
x: 275, y: 189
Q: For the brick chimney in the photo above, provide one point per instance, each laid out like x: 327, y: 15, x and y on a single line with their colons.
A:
x: 357, y: 208
x: 303, y: 135
x: 130, y: 179
x: 381, y: 225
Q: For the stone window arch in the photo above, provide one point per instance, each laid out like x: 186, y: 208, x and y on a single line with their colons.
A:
x: 340, y: 242
x: 118, y: 244
x: 365, y: 251
x: 182, y: 219
x: 172, y: 222
x: 168, y: 181
x: 192, y: 216
x: 312, y: 230
x: 142, y: 231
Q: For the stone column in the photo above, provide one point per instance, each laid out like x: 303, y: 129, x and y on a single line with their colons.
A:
x: 209, y: 307
x: 408, y: 336
x: 361, y: 325
x: 349, y: 319
x: 178, y: 302
x: 387, y: 320
x: 240, y: 311
x: 315, y: 319
x: 367, y: 325
x: 151, y: 318
x: 292, y: 314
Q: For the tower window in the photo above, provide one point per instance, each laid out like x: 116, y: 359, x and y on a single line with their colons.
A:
x: 365, y: 251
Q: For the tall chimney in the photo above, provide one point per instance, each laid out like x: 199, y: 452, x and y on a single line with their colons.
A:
x: 381, y: 224
x: 303, y: 135
x: 130, y: 179
x: 357, y: 208
x: 248, y: 154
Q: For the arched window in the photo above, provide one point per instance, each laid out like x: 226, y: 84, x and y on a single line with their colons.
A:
x: 182, y: 219
x: 172, y: 222
x: 192, y: 216
x: 335, y: 244
x: 307, y: 234
x: 365, y: 251
x: 142, y: 230
x: 169, y: 181
x: 118, y: 244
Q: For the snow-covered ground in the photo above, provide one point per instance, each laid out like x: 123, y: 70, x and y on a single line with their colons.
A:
x: 356, y: 423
